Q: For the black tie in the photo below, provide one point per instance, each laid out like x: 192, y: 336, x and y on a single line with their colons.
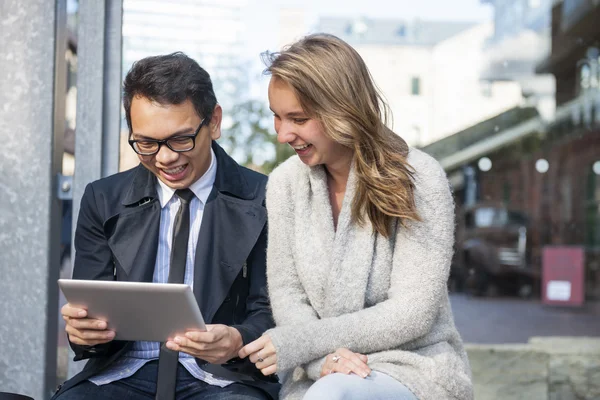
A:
x: 167, y: 359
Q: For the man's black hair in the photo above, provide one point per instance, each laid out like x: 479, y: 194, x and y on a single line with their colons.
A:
x: 169, y: 79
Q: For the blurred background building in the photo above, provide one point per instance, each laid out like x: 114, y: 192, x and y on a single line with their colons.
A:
x: 209, y: 31
x: 545, y: 166
x: 520, y: 41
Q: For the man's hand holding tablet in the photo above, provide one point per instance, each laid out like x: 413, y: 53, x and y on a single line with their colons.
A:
x: 217, y: 345
x: 83, y: 330
x: 100, y: 311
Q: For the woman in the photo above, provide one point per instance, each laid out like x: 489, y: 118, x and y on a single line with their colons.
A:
x: 361, y: 230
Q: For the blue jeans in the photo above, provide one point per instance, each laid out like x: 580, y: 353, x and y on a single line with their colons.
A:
x: 377, y: 386
x: 142, y: 385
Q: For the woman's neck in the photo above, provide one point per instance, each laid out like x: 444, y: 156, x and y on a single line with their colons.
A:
x: 337, y: 177
x: 338, y: 173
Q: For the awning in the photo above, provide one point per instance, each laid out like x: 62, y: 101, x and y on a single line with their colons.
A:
x: 575, y: 109
x: 493, y: 143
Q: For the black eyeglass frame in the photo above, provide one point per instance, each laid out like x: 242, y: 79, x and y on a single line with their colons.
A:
x: 132, y: 142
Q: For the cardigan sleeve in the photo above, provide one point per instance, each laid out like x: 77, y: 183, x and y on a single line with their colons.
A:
x: 289, y: 301
x: 420, y: 267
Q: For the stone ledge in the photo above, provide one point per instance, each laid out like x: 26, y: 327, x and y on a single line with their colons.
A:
x: 583, y: 345
x: 546, y: 368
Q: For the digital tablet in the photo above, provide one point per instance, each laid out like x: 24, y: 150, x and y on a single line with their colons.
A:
x: 137, y: 310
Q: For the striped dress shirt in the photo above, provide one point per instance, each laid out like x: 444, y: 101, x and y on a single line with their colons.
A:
x: 142, y: 352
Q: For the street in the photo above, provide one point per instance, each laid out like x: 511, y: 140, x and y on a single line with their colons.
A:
x: 514, y: 320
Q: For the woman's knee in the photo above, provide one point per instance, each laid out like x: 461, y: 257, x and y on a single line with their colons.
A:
x: 334, y: 387
x: 346, y: 387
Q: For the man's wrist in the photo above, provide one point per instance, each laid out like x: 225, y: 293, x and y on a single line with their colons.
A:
x: 236, y: 339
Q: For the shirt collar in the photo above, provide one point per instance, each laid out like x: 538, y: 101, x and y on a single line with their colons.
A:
x: 201, y: 188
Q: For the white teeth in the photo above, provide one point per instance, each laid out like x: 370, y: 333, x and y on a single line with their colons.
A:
x: 174, y: 170
x: 301, y: 147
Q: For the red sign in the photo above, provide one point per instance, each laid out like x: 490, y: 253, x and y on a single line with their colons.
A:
x: 563, y: 275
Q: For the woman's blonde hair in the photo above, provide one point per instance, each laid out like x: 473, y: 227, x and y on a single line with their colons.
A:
x: 334, y: 86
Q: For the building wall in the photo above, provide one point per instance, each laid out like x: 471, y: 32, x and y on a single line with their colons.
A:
x: 460, y: 98
x: 557, y: 202
x: 393, y: 68
x: 452, y: 96
x: 292, y: 26
x: 556, y: 197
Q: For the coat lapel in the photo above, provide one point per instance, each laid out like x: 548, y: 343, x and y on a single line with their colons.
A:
x: 231, y: 225
x: 133, y: 232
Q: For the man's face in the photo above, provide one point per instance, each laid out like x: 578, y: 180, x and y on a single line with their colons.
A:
x: 152, y: 120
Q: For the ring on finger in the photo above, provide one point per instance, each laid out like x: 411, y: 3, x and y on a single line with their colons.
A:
x: 260, y: 359
x: 335, y: 358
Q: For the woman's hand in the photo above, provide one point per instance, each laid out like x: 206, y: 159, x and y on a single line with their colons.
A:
x: 346, y: 362
x: 262, y: 353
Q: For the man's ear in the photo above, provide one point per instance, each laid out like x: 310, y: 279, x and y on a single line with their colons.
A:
x: 215, y: 122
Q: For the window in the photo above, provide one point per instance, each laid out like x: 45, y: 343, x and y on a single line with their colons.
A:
x: 488, y: 217
x: 585, y: 76
x: 415, y: 86
x: 357, y: 28
x: 592, y: 207
x: 401, y: 31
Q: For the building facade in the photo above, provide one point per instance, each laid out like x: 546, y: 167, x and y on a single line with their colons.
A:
x: 429, y: 73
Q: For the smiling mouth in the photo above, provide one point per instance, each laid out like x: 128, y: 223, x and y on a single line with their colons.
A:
x: 301, y: 148
x: 176, y: 170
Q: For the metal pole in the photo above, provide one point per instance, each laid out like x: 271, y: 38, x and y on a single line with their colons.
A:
x: 98, y: 99
x: 113, y: 61
x: 32, y: 120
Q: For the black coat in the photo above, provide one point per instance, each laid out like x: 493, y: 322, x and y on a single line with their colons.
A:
x: 117, y: 239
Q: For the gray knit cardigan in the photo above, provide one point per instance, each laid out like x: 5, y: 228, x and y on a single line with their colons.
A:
x: 349, y: 287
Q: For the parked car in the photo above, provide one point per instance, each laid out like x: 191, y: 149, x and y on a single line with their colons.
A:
x: 491, y: 254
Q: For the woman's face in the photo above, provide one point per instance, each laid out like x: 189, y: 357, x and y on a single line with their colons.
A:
x: 306, y: 135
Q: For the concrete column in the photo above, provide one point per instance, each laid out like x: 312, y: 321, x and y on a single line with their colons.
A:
x: 32, y: 90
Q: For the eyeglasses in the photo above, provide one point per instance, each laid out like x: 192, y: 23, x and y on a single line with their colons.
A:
x: 179, y: 143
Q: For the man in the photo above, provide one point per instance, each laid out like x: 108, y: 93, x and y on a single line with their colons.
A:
x: 130, y: 228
